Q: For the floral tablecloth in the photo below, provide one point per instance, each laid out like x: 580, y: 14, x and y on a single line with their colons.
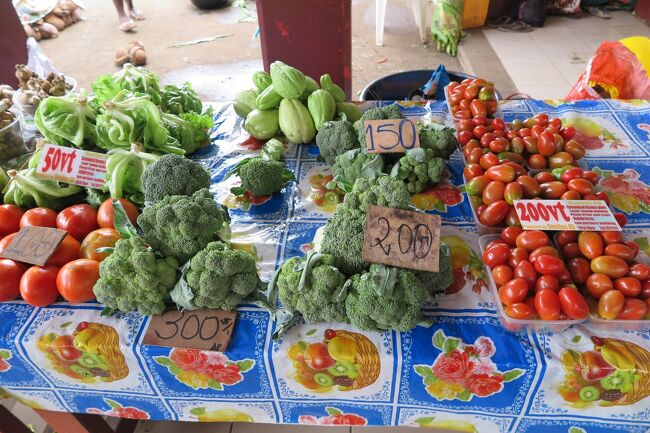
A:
x: 464, y: 372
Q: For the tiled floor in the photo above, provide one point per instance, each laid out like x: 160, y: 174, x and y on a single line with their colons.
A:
x: 545, y: 63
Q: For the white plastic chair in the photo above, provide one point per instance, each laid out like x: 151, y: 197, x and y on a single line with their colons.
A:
x: 419, y: 10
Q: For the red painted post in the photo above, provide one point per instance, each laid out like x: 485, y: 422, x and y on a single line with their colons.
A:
x: 314, y: 36
x: 12, y: 44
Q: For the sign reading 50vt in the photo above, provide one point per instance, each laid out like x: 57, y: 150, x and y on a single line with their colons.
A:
x: 391, y: 135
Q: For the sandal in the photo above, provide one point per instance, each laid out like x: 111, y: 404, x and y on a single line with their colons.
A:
x: 128, y: 26
x: 137, y: 15
x: 504, y: 20
x: 516, y: 26
x: 600, y: 13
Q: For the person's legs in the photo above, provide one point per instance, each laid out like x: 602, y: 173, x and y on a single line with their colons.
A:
x: 136, y: 14
x: 126, y: 23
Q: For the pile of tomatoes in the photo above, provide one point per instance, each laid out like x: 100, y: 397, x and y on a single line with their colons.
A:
x: 531, y: 278
x: 472, y: 97
x: 605, y: 267
x: 73, y: 268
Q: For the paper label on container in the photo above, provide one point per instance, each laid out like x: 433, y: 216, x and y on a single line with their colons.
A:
x: 70, y: 165
x: 576, y: 215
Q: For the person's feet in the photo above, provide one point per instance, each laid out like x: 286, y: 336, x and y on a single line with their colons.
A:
x: 127, y: 24
x: 137, y: 15
x: 598, y: 12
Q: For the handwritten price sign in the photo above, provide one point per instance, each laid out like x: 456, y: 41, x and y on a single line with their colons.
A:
x: 391, y: 136
x: 402, y: 238
x: 69, y: 165
x: 34, y: 245
x: 589, y: 215
x: 199, y: 329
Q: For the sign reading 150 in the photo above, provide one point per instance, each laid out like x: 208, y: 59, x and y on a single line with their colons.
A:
x: 391, y: 135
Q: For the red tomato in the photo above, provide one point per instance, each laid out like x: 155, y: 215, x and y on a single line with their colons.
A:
x: 545, y: 250
x: 464, y: 137
x: 581, y: 186
x: 544, y: 177
x: 573, y: 304
x: 571, y: 195
x: 547, y: 282
x: 571, y: 250
x: 603, y: 196
x: 532, y: 239
x: 529, y: 186
x: 10, y: 274
x: 633, y: 309
x: 475, y: 156
x: 67, y: 251
x: 511, y: 219
x: 517, y: 255
x: 546, y: 144
x: 597, y: 284
x: 520, y: 311
x: 78, y: 220
x: 503, y: 173
x: 105, y: 213
x: 611, y: 266
x: 579, y: 270
x: 634, y: 246
x: 99, y: 238
x: 499, y: 145
x: 572, y: 173
x: 548, y: 265
x: 553, y: 190
x: 610, y: 304
x: 567, y: 133
x: 494, y: 213
x: 488, y: 160
x: 565, y: 237
x: 39, y: 216
x: 513, y: 291
x: 611, y: 237
x: 9, y: 219
x: 502, y: 274
x: 577, y: 151
x: 76, y: 279
x: 640, y: 271
x: 620, y: 218
x: 537, y: 161
x: 526, y: 271
x: 621, y: 251
x: 38, y: 285
x: 497, y: 255
x: 493, y: 243
x: 628, y: 286
x: 564, y: 277
x: 478, y: 131
x: 477, y: 107
x: 645, y: 289
x: 493, y: 192
x: 548, y: 305
x: 472, y: 170
x: 590, y: 244
x: 509, y: 235
x: 478, y: 120
x: 498, y: 124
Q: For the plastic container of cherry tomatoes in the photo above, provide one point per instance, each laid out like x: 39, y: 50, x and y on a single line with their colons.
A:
x: 615, y: 324
x: 520, y: 325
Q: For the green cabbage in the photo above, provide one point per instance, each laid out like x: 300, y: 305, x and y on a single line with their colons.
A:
x: 67, y: 120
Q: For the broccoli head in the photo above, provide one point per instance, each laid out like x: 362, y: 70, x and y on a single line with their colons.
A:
x: 383, y: 191
x: 261, y: 176
x: 218, y: 278
x: 391, y: 111
x: 335, y: 138
x: 180, y: 226
x: 437, y: 282
x: 134, y: 278
x: 419, y: 168
x: 439, y: 138
x: 385, y: 298
x: 355, y: 164
x: 173, y: 175
x: 311, y: 286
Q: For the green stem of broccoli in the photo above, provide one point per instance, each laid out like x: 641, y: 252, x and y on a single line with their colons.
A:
x: 312, y: 258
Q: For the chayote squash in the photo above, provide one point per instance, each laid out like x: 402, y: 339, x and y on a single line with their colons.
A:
x: 262, y: 124
x: 311, y: 87
x: 326, y: 83
x: 296, y: 122
x: 268, y: 99
x: 287, y: 81
x: 262, y: 80
x: 245, y: 102
x: 321, y: 106
x: 352, y: 111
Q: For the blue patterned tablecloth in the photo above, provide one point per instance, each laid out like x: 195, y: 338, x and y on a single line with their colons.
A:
x: 464, y: 372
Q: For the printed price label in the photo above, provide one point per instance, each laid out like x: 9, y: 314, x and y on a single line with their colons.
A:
x: 391, y: 136
x: 69, y: 165
x: 34, y: 245
x: 577, y: 215
x: 198, y: 329
x: 402, y: 238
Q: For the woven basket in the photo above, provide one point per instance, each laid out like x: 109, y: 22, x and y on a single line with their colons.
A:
x: 110, y: 350
x: 641, y: 387
x: 367, y: 357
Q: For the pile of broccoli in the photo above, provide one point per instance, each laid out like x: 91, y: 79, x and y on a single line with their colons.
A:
x: 419, y: 168
x: 173, y: 175
x: 355, y: 164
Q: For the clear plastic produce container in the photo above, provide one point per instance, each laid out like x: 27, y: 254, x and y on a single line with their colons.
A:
x: 518, y: 325
x: 29, y: 110
x: 12, y: 143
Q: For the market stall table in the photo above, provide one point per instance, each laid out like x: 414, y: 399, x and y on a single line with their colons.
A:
x: 464, y: 371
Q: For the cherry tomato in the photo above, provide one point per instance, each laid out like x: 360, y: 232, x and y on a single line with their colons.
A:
x: 502, y: 173
x: 517, y: 255
x: 511, y: 218
x: 67, y: 251
x: 579, y: 270
x: 478, y: 120
x: 10, y: 274
x: 621, y: 251
x: 509, y: 235
x: 532, y: 239
x: 572, y: 173
x: 486, y: 139
x: 105, y: 213
x: 544, y: 177
x: 574, y: 148
x: 526, y: 271
x: 560, y: 159
x: 603, y: 196
x: 564, y: 277
x: 629, y: 287
x: 529, y: 186
x: 573, y: 304
x: 536, y: 131
x: 517, y: 166
x: 472, y: 170
x: 10, y: 216
x: 633, y: 309
x: 493, y: 192
x: 497, y: 255
x: 537, y: 161
x: 488, y: 160
x: 597, y: 284
x: 38, y: 285
x: 525, y: 132
x: 591, y: 176
x: 480, y: 210
x: 611, y: 266
x: 465, y: 124
x: 546, y: 264
x: 547, y: 282
x: 520, y: 311
x: 464, y: 137
x: 475, y: 155
x: 476, y: 185
x: 494, y: 243
x: 581, y: 186
x: 611, y: 237
x: 640, y: 271
x: 621, y: 219
x: 571, y: 195
x: 547, y: 305
x: 78, y: 220
x: 477, y: 108
x: 517, y: 145
x: 565, y: 237
x: 610, y: 304
x: 633, y: 246
x: 513, y: 291
x: 541, y: 251
x: 471, y: 92
x: 591, y: 244
x: 99, y: 238
x: 76, y: 279
x: 499, y: 145
x: 567, y: 133
x: 494, y: 213
x: 464, y: 105
x: 571, y: 250
x: 546, y: 144
x: 498, y: 124
x: 645, y: 289
x: 553, y: 190
x: 39, y: 216
x: 478, y: 131
x: 502, y: 274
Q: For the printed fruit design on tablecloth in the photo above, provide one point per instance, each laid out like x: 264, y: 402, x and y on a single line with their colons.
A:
x: 614, y: 373
x: 334, y: 416
x: 592, y: 135
x: 464, y: 371
x: 91, y: 354
x: 325, y: 198
x: 625, y: 190
x: 343, y: 361
x: 438, y: 197
x: 244, y: 201
x: 5, y: 355
x: 201, y: 370
x: 467, y: 266
x: 116, y: 409
x: 220, y: 415
x: 453, y: 425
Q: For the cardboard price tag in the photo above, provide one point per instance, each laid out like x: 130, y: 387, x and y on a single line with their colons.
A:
x: 70, y: 165
x: 34, y: 245
x: 198, y: 329
x: 391, y: 136
x: 402, y: 238
x: 577, y: 215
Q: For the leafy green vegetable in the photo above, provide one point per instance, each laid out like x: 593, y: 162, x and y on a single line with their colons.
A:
x: 67, y: 120
x: 134, y: 79
x: 28, y: 191
x: 183, y: 99
x: 124, y: 172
